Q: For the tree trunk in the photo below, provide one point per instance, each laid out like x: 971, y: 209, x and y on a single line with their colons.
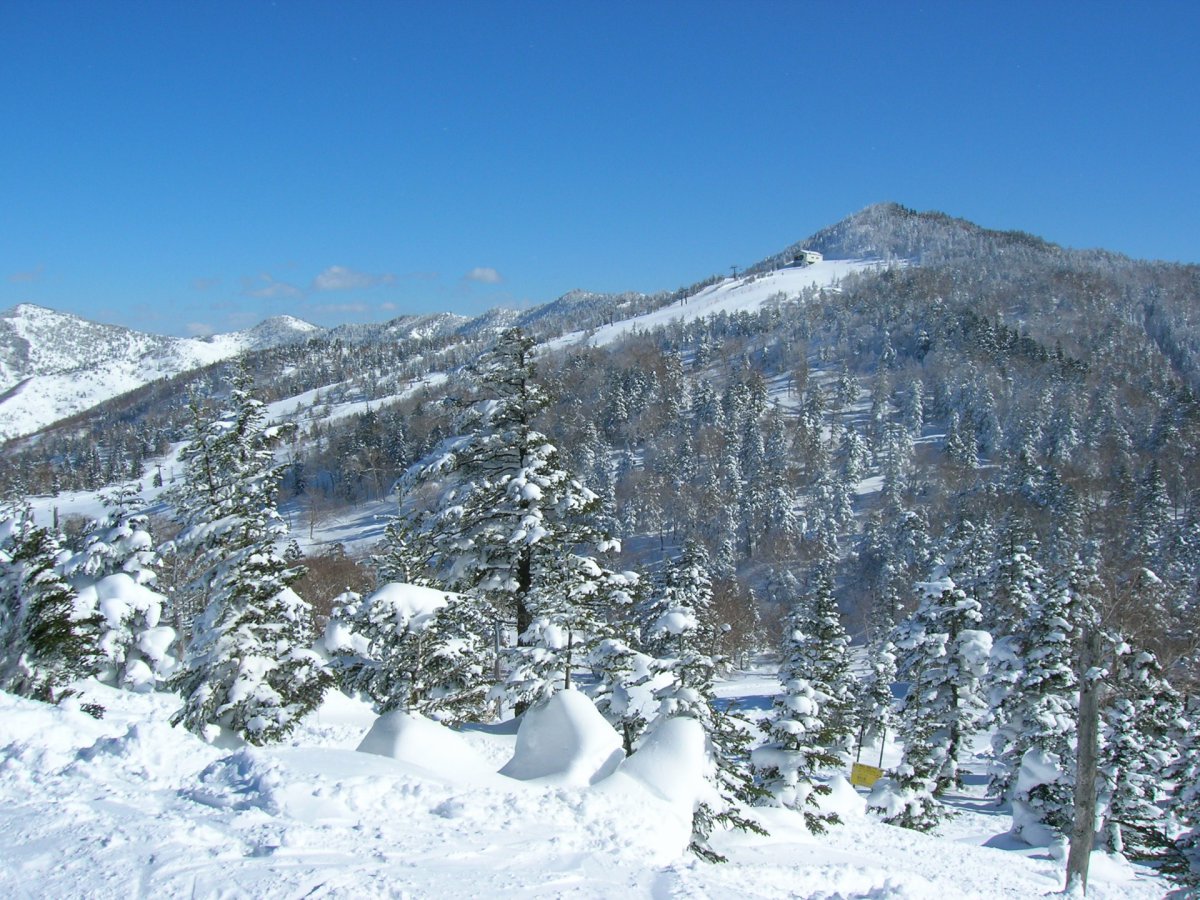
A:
x: 524, y: 615
x: 1083, y: 830
x: 524, y: 583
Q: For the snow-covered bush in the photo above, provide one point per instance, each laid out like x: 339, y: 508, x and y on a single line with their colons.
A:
x: 413, y: 648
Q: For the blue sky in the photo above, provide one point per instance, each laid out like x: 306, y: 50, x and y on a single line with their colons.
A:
x: 181, y: 167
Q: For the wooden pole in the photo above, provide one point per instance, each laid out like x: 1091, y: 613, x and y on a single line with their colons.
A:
x: 1083, y: 831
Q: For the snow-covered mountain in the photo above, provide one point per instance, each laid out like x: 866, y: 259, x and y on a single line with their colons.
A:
x: 53, y: 364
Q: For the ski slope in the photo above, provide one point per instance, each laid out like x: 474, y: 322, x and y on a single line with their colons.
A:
x: 732, y: 295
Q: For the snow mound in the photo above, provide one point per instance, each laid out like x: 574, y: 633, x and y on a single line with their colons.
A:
x: 424, y: 743
x: 672, y: 762
x: 843, y: 799
x: 567, y: 740
x: 665, y: 781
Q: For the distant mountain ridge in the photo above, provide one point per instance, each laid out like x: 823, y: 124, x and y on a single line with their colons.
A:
x: 54, y: 364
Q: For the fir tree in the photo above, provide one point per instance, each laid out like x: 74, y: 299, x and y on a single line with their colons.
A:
x: 1031, y: 662
x: 499, y: 505
x: 821, y: 652
x: 571, y: 602
x: 875, y: 707
x: 411, y: 648
x: 680, y: 635
x: 45, y: 641
x: 1184, y: 802
x: 1035, y: 747
x: 945, y: 660
x: 114, y: 577
x: 802, y: 738
x: 623, y: 693
x: 1140, y: 712
x: 248, y: 667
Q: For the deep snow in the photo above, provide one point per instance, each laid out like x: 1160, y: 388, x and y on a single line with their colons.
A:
x: 130, y: 807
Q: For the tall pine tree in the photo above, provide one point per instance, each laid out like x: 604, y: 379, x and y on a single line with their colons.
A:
x: 248, y: 667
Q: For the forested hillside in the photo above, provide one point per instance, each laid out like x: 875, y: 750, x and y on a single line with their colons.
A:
x: 993, y: 390
x: 971, y: 455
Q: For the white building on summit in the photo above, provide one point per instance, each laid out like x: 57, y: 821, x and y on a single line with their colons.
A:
x: 806, y: 258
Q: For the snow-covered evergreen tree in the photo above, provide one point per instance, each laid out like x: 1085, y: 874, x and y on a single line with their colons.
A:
x: 482, y: 510
x: 820, y: 650
x: 571, y: 602
x: 114, y: 577
x: 1138, y: 717
x: 875, y: 704
x: 1031, y: 685
x: 1018, y: 583
x: 1184, y: 801
x: 46, y: 641
x: 413, y: 648
x: 806, y: 730
x: 944, y: 658
x: 248, y: 667
x: 397, y: 563
x: 680, y: 636
x: 1034, y: 749
x: 679, y: 602
x: 624, y: 693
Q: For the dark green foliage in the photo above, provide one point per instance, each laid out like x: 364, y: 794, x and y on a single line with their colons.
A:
x: 45, y: 644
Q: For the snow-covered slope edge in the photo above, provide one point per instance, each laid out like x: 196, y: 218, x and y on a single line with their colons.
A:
x: 731, y: 295
x: 53, y: 365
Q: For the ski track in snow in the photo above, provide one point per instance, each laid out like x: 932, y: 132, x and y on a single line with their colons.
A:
x: 131, y: 807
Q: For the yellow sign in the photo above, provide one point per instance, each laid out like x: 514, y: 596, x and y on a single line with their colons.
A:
x: 863, y: 775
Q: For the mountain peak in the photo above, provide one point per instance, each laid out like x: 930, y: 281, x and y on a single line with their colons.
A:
x: 891, y: 231
x: 279, y: 330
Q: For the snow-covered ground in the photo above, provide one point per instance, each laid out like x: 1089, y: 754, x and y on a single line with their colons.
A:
x: 731, y: 295
x: 130, y: 807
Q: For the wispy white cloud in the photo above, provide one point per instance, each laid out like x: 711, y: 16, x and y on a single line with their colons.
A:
x: 484, y: 275
x: 199, y: 329
x: 27, y: 276
x: 265, y: 287
x: 339, y: 278
x: 205, y: 284
x: 387, y: 307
